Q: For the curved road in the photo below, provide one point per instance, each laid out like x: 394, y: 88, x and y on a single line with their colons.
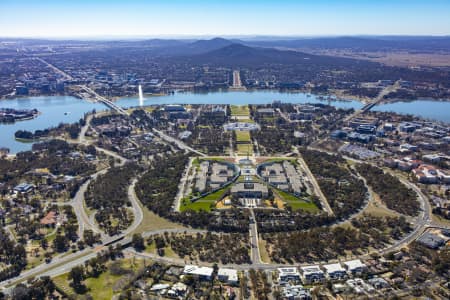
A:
x: 63, y: 264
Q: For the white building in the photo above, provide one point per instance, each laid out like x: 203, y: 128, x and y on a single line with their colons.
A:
x: 335, y: 271
x: 229, y: 276
x: 288, y: 274
x: 355, y: 266
x: 312, y: 274
x: 359, y: 286
x: 203, y: 273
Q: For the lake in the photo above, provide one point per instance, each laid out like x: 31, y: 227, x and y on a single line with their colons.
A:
x: 64, y: 109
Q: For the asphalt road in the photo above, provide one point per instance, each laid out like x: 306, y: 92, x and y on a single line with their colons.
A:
x: 137, y: 210
x: 177, y: 142
x: 62, y: 264
x: 254, y: 240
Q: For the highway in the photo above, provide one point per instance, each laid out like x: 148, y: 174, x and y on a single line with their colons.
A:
x: 136, y: 207
x: 254, y: 240
x: 177, y: 142
x: 84, y: 223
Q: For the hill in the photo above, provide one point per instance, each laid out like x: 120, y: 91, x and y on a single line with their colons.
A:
x: 242, y: 55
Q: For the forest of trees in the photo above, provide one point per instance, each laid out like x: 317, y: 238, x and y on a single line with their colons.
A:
x: 158, y: 187
x: 13, y: 256
x: 226, y: 248
x: 321, y: 243
x: 345, y: 193
x: 394, y: 194
x: 108, y: 195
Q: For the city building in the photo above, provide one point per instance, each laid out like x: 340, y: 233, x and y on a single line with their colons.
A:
x: 288, y: 274
x: 312, y: 274
x: 355, y: 267
x: 24, y: 188
x: 431, y: 241
x: 229, y: 276
x: 249, y: 190
x: 295, y: 292
x: 335, y: 271
x: 202, y: 273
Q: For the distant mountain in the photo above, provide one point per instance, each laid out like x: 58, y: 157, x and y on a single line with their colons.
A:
x: 195, y: 47
x: 203, y: 46
x: 425, y: 43
x: 242, y: 55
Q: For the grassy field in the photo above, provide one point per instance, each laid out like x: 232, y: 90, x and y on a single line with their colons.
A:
x: 297, y: 203
x: 152, y: 221
x: 240, y: 110
x: 378, y: 209
x: 243, y: 149
x: 203, y: 203
x: 306, y: 206
x: 246, y: 120
x: 243, y: 137
x: 282, y: 159
x: 197, y: 205
x: 100, y: 287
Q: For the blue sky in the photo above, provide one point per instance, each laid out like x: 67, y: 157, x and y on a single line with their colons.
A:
x: 95, y: 18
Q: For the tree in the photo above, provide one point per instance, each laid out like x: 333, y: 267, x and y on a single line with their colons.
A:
x: 138, y: 242
x: 60, y: 243
x: 89, y: 237
x: 77, y: 276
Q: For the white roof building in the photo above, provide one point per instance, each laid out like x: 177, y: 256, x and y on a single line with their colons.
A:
x: 286, y: 274
x: 312, y: 274
x: 332, y: 268
x: 228, y: 275
x: 205, y: 272
x: 355, y: 265
x: 334, y: 271
x: 311, y: 270
x: 159, y: 287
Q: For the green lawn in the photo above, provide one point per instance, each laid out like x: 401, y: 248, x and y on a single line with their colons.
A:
x: 247, y: 120
x: 282, y: 159
x: 243, y: 137
x: 306, y: 206
x: 100, y: 287
x: 197, y: 205
x: 297, y: 203
x: 203, y: 203
x: 243, y: 149
x: 214, y: 196
x: 286, y: 196
x: 240, y: 110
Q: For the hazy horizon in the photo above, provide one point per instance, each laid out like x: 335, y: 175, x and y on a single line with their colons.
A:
x: 138, y: 18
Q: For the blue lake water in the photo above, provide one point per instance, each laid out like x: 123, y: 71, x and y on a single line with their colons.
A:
x: 53, y: 109
x: 427, y: 109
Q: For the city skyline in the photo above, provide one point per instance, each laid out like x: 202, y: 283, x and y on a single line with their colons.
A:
x: 99, y: 18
